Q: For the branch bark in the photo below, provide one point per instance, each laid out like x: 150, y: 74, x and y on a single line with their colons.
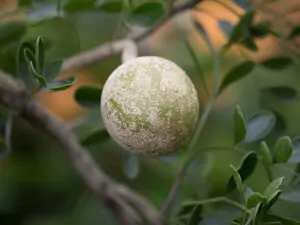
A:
x: 121, y: 201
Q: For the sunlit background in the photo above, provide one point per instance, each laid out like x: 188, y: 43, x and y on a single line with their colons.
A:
x: 38, y: 186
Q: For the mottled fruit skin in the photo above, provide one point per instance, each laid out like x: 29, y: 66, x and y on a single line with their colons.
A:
x: 149, y: 106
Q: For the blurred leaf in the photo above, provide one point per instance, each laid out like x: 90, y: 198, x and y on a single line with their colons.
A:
x: 217, y: 219
x: 131, y: 165
x: 25, y: 2
x: 52, y: 70
x: 283, y: 150
x: 254, y: 199
x: 249, y: 42
x: 146, y: 14
x: 195, y: 217
x: 197, y: 64
x: 39, y: 55
x: 266, y: 154
x: 283, y: 92
x: 114, y: 6
x: 236, y: 73
x: 79, y: 5
x: 95, y: 136
x: 244, y: 4
x: 247, y: 167
x: 242, y: 30
x: 272, y: 200
x: 190, y: 214
x: 273, y: 187
x: 294, y: 33
x: 237, y: 179
x: 261, y: 29
x: 205, y: 36
x: 278, y: 63
x: 226, y: 27
x: 256, y: 214
x: 283, y: 220
x: 12, y: 31
x: 239, y: 125
x: 88, y: 96
x: 259, y: 126
x: 60, y: 85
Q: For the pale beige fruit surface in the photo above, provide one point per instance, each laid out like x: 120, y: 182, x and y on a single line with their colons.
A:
x: 149, y: 106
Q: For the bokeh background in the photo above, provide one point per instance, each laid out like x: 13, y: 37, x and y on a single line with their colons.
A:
x: 37, y: 184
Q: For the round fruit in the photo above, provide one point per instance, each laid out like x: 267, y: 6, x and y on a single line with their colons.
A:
x: 149, y: 106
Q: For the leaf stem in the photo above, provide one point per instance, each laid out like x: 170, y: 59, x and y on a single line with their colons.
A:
x: 217, y: 200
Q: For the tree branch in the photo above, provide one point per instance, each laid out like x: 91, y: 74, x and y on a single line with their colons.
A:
x: 121, y: 201
x: 109, y: 49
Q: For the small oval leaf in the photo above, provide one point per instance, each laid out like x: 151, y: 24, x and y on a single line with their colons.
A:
x: 236, y: 73
x: 283, y: 92
x: 88, y: 96
x: 131, y: 165
x: 60, y: 85
x: 247, y: 167
x: 283, y: 150
x: 146, y: 14
x: 259, y: 126
x: 239, y: 126
x: 277, y: 63
x: 237, y: 179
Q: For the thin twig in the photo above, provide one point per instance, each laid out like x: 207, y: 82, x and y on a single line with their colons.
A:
x: 109, y: 49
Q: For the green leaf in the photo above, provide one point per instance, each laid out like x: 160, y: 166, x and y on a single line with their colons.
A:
x: 114, y: 6
x: 283, y: 150
x: 39, y: 78
x: 25, y: 2
x: 146, y: 14
x: 271, y: 200
x: 11, y: 32
x: 294, y: 33
x: 278, y: 63
x: 22, y: 66
x: 52, y: 70
x: 72, y: 6
x: 195, y: 216
x: 131, y: 165
x: 273, y: 187
x: 39, y: 55
x: 261, y: 29
x: 283, y: 92
x: 254, y: 199
x: 237, y: 179
x: 244, y: 4
x: 60, y: 85
x: 226, y: 27
x: 96, y: 136
x: 259, y: 125
x: 197, y: 64
x: 239, y: 126
x: 247, y: 167
x: 242, y: 30
x: 88, y: 96
x: 267, y: 158
x: 283, y: 220
x: 236, y: 73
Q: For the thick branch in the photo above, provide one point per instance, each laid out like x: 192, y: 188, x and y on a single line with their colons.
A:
x: 121, y: 201
x: 109, y: 49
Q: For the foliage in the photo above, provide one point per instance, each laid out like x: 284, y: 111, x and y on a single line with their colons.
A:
x: 254, y: 136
